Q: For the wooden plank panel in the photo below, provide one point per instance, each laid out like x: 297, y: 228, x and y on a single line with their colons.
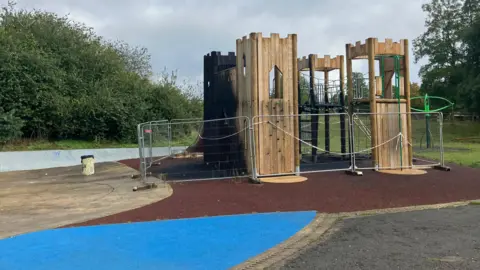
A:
x: 264, y: 141
x: 267, y: 139
x: 390, y: 156
x: 291, y: 143
x: 402, y: 87
x: 261, y: 127
x: 263, y: 84
x: 388, y: 128
x: 273, y: 140
x: 395, y: 145
x: 379, y: 121
x: 394, y: 131
x: 378, y: 85
x: 280, y: 136
x: 407, y: 141
x: 381, y: 49
x: 388, y: 45
x: 277, y: 56
x: 384, y: 150
x: 381, y: 134
x: 290, y: 75
x: 279, y: 105
x: 395, y: 152
x: 284, y: 138
x: 384, y: 132
x: 286, y: 162
x: 386, y: 135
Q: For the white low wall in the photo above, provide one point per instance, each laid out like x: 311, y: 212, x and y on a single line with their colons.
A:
x: 32, y: 160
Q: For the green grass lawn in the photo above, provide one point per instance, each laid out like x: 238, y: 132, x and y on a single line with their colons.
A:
x: 159, y: 138
x: 470, y: 156
x: 32, y: 145
x: 461, y: 141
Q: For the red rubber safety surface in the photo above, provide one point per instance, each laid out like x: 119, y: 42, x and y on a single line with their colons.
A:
x: 324, y: 192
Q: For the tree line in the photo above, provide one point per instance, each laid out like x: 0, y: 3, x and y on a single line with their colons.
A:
x: 60, y: 80
x: 451, y: 45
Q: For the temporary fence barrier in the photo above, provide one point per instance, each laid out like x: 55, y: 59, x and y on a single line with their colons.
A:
x: 196, y: 149
x: 324, y: 143
x: 392, y: 143
x: 150, y: 136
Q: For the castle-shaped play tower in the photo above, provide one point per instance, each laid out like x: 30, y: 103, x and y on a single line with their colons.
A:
x: 388, y: 97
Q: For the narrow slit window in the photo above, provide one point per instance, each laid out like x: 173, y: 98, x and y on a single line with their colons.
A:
x: 244, y: 66
x: 275, y: 83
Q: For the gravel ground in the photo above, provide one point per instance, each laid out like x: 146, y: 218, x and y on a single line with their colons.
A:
x: 431, y: 239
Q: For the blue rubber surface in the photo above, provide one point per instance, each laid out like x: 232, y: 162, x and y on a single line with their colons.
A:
x: 199, y: 243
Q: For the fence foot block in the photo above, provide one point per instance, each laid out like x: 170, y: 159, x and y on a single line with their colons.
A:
x: 442, y: 168
x: 145, y: 187
x: 355, y: 173
x: 251, y: 180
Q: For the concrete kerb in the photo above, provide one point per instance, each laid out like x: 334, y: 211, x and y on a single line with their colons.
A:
x: 320, y: 229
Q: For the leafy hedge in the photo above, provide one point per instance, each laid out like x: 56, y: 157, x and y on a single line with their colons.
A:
x: 59, y: 80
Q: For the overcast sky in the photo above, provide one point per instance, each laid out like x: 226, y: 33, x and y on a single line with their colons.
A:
x: 179, y: 32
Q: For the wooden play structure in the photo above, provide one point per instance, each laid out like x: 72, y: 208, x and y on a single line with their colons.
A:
x: 325, y: 96
x: 263, y: 82
x: 263, y: 113
x: 388, y: 98
x: 270, y: 101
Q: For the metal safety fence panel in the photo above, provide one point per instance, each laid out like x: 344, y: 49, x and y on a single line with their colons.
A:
x: 204, y: 150
x: 391, y: 147
x: 151, y: 136
x: 323, y: 143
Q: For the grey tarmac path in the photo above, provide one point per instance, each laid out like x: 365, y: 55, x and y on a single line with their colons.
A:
x: 447, y: 238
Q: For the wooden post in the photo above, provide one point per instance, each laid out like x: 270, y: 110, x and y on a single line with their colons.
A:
x: 327, y: 111
x: 295, y: 102
x: 314, y: 117
x: 342, y: 103
x: 373, y: 105
x: 406, y: 78
x: 254, y: 106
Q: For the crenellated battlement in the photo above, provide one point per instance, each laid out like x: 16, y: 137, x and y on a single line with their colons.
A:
x: 254, y: 35
x: 219, y: 54
x: 325, y: 63
x: 388, y: 47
